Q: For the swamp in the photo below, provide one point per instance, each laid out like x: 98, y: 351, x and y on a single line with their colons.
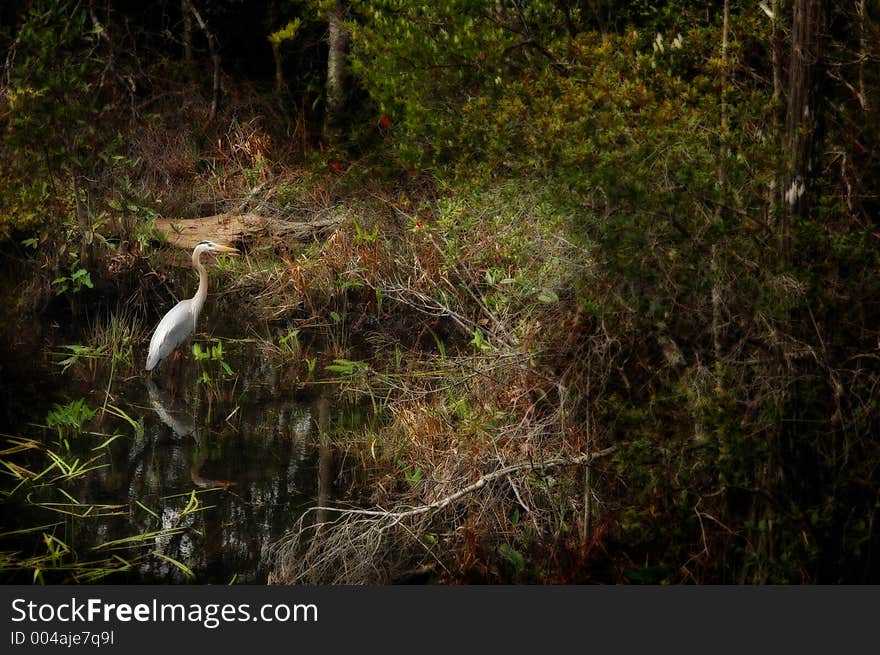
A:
x: 547, y: 292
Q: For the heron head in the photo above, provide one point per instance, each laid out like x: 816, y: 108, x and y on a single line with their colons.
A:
x: 215, y: 248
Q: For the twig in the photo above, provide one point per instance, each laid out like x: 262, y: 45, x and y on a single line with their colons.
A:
x: 6, y: 82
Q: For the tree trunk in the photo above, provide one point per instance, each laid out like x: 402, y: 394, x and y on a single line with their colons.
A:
x: 84, y: 222
x: 279, y: 71
x: 776, y: 51
x: 276, y: 56
x: 862, y: 10
x: 215, y: 58
x: 325, y: 459
x: 714, y: 264
x: 186, y: 11
x: 802, y: 112
x: 336, y: 77
x: 773, y: 192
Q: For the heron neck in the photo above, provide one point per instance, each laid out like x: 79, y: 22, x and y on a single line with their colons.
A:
x: 202, y: 293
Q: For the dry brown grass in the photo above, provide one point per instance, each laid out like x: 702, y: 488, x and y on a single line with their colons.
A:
x: 483, y: 447
x: 192, y: 165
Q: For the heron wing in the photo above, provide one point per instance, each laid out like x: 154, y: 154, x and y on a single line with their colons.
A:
x: 173, y: 330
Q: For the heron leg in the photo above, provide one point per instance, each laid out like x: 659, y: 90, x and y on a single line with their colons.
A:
x: 175, y: 362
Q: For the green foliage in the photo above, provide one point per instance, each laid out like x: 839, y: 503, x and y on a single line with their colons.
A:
x: 414, y: 477
x: 70, y: 418
x: 655, y: 16
x: 479, y: 342
x: 347, y: 367
x: 76, y: 353
x: 73, y: 283
x: 362, y: 236
x: 50, y: 134
x: 286, y: 33
x: 420, y: 61
x: 662, y: 157
x: 211, y: 356
x: 290, y: 343
x: 514, y: 558
x: 467, y: 84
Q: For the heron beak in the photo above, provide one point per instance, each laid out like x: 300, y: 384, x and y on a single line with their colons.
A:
x: 225, y: 249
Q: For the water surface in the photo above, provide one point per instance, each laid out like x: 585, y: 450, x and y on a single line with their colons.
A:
x: 209, y: 463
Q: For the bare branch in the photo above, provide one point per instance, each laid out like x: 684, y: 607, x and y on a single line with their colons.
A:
x: 215, y: 58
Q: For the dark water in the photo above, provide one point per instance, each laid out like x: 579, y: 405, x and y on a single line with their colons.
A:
x: 218, y: 464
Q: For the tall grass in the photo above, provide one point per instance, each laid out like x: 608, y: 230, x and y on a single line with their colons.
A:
x: 45, y: 485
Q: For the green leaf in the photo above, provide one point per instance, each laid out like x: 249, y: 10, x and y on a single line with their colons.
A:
x: 479, y: 342
x: 117, y: 411
x: 347, y: 367
x: 414, y: 477
x: 292, y: 335
x: 513, y: 556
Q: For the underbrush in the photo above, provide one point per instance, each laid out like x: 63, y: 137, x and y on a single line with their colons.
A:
x: 482, y: 467
x: 541, y: 422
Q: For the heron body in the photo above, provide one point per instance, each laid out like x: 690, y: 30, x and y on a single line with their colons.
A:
x: 180, y: 322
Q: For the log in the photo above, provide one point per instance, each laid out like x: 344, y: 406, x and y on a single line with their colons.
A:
x: 186, y: 233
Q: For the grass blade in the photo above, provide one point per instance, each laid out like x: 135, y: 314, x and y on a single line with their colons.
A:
x: 183, y: 567
x: 138, y: 539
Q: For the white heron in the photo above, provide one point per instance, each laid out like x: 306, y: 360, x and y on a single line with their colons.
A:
x: 180, y: 322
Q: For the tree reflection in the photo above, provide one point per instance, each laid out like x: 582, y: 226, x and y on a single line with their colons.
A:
x: 218, y: 473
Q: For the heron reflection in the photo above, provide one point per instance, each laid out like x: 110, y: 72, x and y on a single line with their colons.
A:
x: 178, y: 418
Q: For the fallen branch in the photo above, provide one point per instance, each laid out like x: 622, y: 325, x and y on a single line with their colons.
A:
x: 368, y: 545
x: 476, y: 486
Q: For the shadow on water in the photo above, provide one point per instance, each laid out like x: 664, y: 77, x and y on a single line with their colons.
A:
x: 212, y: 464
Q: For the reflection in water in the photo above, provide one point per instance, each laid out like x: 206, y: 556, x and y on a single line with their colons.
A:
x: 209, y: 469
x: 182, y: 425
x: 169, y: 413
x: 220, y: 469
x: 325, y: 458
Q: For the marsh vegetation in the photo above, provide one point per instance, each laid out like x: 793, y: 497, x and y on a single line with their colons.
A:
x: 529, y: 292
